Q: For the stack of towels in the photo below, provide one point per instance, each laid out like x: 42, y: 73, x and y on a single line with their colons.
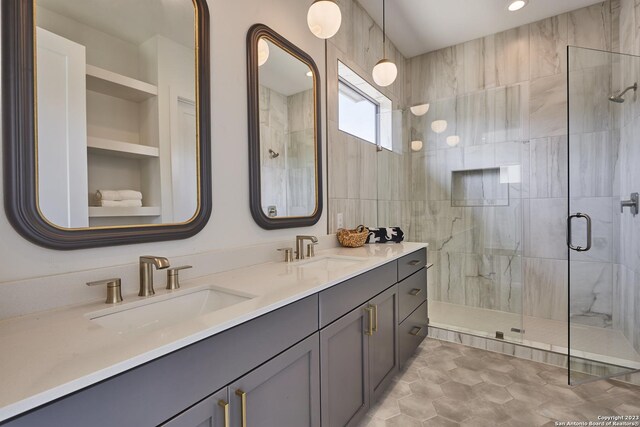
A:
x: 119, y: 198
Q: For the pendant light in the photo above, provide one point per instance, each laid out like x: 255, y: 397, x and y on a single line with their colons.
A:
x: 324, y: 18
x: 385, y: 71
x: 263, y: 52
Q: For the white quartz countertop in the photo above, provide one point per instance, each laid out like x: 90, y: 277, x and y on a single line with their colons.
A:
x: 45, y: 356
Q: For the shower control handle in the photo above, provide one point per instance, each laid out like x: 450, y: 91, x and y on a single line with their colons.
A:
x: 632, y: 203
x: 569, y: 237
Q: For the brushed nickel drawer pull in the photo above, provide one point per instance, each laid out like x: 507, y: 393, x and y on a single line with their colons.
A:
x: 415, y: 330
x: 414, y: 262
x: 415, y: 292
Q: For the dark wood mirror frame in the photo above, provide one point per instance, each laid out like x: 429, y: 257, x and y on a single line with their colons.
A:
x: 255, y: 33
x: 19, y: 142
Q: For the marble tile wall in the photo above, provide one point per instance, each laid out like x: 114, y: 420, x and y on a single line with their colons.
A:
x: 627, y: 254
x: 505, y: 97
x: 365, y: 186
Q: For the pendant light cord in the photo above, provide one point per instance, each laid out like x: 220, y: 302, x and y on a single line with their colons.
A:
x: 384, y: 30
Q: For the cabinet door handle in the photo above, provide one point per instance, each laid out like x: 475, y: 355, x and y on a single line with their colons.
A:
x: 415, y: 330
x: 414, y: 262
x: 225, y: 407
x: 369, y: 330
x: 243, y: 406
x: 375, y: 318
x: 415, y: 292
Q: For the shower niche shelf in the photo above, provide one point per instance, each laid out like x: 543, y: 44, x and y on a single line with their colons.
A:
x: 479, y: 187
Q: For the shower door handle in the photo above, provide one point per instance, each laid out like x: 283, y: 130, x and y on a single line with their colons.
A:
x: 569, y: 238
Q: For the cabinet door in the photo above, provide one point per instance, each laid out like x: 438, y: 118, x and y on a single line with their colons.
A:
x: 383, y: 343
x: 284, y: 392
x: 211, y: 412
x: 344, y: 363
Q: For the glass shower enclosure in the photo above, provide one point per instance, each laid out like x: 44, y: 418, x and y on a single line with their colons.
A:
x: 603, y: 225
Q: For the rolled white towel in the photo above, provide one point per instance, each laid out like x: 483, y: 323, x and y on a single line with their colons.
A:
x: 121, y: 203
x: 118, y: 195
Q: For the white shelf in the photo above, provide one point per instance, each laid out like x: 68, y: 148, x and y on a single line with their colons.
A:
x: 121, y: 149
x: 110, y: 212
x: 114, y: 84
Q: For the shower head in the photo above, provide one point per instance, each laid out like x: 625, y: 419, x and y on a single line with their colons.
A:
x: 273, y: 154
x: 619, y: 98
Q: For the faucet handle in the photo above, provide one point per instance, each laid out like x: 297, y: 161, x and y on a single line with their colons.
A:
x: 288, y: 254
x: 310, y: 250
x: 173, y: 278
x: 114, y: 289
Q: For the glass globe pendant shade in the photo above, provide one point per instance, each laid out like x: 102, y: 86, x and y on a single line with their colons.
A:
x: 385, y: 73
x: 439, y: 126
x: 324, y: 18
x: 420, y: 110
x: 263, y: 52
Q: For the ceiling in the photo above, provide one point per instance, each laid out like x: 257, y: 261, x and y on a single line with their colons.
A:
x: 420, y: 26
x: 284, y: 73
x: 133, y: 21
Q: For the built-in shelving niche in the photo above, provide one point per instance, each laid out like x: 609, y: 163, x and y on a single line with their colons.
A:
x: 479, y: 187
x: 122, y: 151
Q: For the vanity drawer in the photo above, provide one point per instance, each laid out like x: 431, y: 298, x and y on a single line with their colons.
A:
x: 340, y: 299
x: 409, y: 264
x: 413, y: 292
x: 412, y: 332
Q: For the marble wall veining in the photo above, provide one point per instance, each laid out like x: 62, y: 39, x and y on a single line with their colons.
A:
x: 505, y: 97
x: 365, y: 186
x: 626, y: 268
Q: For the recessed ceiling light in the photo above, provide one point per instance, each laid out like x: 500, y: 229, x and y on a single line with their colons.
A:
x: 517, y: 5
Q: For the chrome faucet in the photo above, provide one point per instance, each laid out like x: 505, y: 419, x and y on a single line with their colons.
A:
x: 300, y: 245
x: 147, y: 263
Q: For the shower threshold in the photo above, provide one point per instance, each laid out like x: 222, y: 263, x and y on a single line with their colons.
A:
x: 544, y: 334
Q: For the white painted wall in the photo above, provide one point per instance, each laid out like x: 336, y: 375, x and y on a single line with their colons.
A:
x: 231, y: 224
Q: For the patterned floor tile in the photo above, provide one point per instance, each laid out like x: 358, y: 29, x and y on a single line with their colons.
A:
x: 447, y: 385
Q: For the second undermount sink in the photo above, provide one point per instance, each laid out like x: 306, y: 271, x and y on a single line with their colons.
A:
x: 330, y: 262
x: 166, y: 310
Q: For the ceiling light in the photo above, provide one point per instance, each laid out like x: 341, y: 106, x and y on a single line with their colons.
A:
x: 453, y: 140
x: 420, y: 110
x: 516, y: 5
x: 416, y: 145
x: 309, y: 73
x: 263, y: 52
x: 324, y: 18
x: 439, y: 126
x: 385, y: 71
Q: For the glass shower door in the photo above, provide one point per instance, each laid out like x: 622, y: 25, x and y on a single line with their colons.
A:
x: 602, y: 227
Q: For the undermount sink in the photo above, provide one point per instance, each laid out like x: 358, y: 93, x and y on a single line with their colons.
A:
x: 162, y: 311
x: 330, y: 262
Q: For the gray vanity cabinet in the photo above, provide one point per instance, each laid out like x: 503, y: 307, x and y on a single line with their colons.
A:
x: 383, y: 342
x: 359, y: 357
x: 210, y: 412
x: 284, y: 392
x: 344, y: 367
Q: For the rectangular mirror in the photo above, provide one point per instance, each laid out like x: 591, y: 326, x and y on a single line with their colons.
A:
x: 118, y: 125
x: 284, y: 132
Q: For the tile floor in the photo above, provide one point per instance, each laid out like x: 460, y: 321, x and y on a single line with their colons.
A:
x: 447, y: 384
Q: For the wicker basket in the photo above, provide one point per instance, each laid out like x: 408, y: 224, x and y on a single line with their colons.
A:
x: 353, y: 238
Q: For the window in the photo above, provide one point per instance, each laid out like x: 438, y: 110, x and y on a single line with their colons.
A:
x: 363, y: 111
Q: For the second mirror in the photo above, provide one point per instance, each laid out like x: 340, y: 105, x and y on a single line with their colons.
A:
x: 284, y: 132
